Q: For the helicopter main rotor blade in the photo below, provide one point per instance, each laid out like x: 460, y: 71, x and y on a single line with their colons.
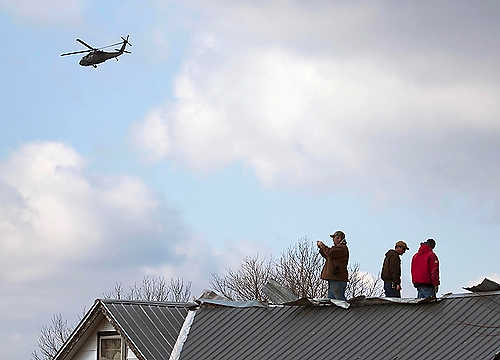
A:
x: 76, y: 52
x: 108, y: 46
x: 84, y: 43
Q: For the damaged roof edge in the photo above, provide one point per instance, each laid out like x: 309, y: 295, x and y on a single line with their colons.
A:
x: 485, y: 286
x: 183, y: 334
x: 231, y: 303
x: 354, y: 302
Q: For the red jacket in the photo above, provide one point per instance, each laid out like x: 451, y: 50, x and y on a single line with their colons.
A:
x: 425, y: 267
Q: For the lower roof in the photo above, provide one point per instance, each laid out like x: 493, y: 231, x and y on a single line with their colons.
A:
x: 462, y: 327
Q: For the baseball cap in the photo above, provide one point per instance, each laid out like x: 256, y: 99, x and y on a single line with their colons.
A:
x: 340, y: 233
x: 431, y: 243
x: 403, y: 245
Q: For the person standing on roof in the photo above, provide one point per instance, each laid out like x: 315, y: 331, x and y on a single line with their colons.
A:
x: 391, y: 270
x: 335, y: 268
x: 425, y: 270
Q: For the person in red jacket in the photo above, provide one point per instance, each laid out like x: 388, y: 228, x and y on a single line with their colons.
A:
x: 425, y: 270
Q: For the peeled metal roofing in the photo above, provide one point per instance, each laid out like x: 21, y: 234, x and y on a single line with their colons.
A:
x: 278, y: 294
x: 486, y: 285
x: 150, y: 328
x: 466, y: 327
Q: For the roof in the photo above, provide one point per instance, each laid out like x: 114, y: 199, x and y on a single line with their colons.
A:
x: 466, y: 326
x: 486, y: 285
x: 149, y: 328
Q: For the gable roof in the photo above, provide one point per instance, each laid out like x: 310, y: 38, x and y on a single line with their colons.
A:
x: 465, y: 326
x: 150, y: 329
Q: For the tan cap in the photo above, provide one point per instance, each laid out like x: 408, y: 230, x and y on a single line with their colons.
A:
x: 403, y: 245
x: 340, y: 233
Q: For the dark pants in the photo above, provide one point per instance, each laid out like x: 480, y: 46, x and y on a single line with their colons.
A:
x: 425, y: 292
x: 390, y: 290
x: 336, y: 289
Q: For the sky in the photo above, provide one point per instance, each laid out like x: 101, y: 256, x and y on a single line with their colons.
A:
x: 233, y: 129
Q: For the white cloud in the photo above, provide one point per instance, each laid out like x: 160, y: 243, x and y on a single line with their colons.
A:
x: 67, y: 236
x: 354, y: 105
x: 152, y: 136
x: 47, y: 11
x: 52, y: 213
x: 297, y: 119
x: 58, y: 221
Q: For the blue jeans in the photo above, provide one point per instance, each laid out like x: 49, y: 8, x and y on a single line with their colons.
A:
x: 336, y: 289
x: 391, y: 291
x: 425, y: 292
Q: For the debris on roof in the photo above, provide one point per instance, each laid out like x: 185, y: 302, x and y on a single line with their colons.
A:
x: 278, y: 294
x: 318, y: 302
x: 209, y: 297
x: 209, y: 294
x: 486, y: 285
x: 231, y: 303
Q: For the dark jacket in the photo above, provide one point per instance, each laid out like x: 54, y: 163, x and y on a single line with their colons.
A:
x: 335, y: 267
x: 391, y: 270
x: 425, y: 267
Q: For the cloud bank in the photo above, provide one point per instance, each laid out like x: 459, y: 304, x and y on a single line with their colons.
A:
x: 68, y: 235
x: 336, y: 95
x: 45, y: 12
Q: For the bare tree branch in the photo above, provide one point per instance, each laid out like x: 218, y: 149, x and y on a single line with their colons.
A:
x: 247, y: 282
x: 363, y: 284
x: 52, y: 337
x: 299, y: 269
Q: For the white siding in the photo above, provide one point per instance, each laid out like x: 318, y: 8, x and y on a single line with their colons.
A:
x: 130, y: 355
x: 89, y: 349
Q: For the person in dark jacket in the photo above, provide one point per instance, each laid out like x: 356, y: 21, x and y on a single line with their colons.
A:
x: 425, y: 270
x: 335, y: 268
x: 391, y: 270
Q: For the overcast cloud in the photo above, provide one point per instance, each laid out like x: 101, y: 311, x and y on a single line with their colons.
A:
x: 59, y: 224
x: 45, y: 12
x: 383, y: 99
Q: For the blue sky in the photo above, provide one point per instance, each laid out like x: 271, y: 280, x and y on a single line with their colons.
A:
x: 235, y: 128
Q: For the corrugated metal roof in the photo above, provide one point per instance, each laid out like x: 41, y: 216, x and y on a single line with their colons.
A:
x: 151, y: 328
x: 465, y: 327
x: 486, y: 285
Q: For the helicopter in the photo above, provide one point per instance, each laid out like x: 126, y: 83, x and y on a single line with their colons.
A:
x: 96, y: 55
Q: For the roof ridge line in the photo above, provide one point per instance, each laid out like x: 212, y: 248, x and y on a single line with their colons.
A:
x: 146, y: 302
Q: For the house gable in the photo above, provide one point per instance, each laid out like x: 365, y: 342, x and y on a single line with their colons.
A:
x: 148, y: 330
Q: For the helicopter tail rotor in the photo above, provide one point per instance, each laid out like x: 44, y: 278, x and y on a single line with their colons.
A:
x: 125, y: 40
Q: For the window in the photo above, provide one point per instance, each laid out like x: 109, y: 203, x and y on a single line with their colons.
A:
x: 109, y: 346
